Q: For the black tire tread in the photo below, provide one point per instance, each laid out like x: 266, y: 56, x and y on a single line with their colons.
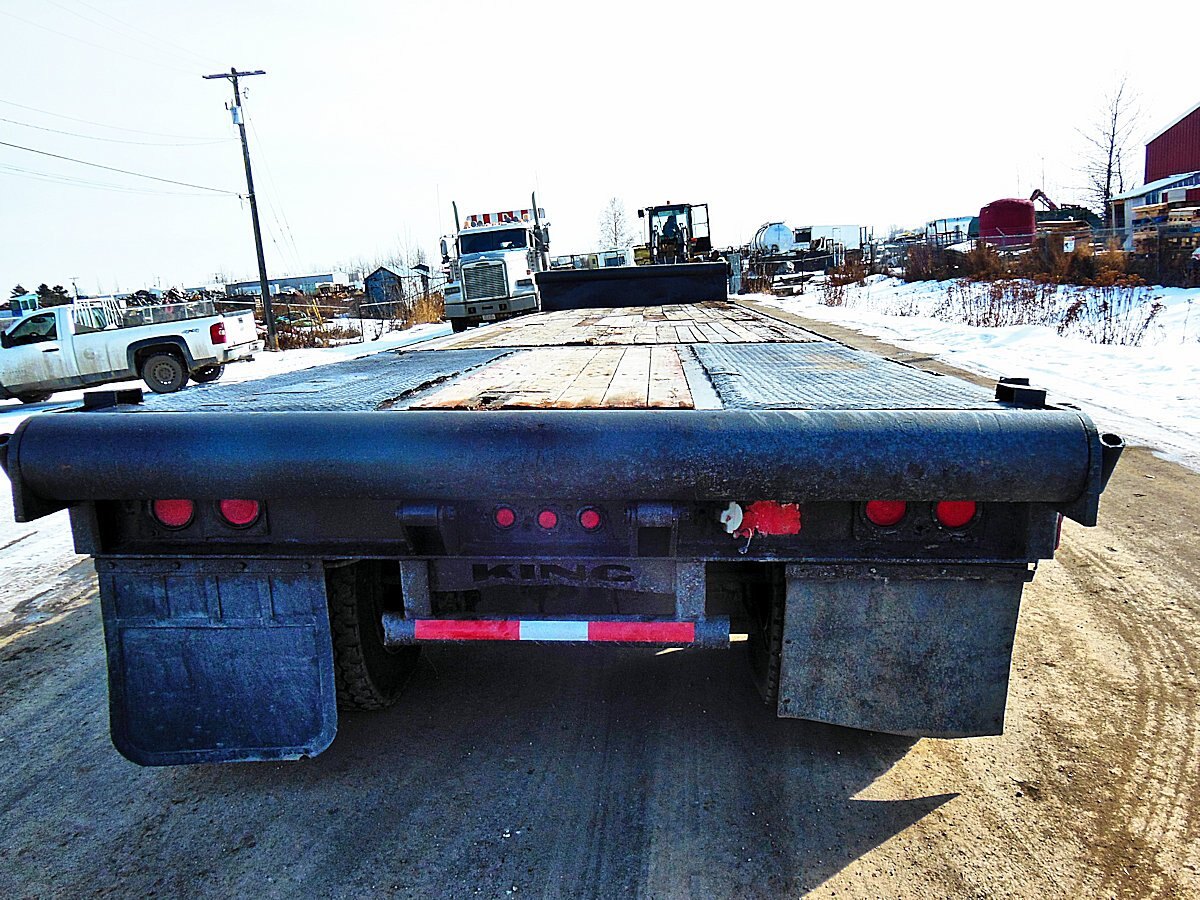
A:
x: 767, y: 645
x: 148, y: 365
x: 356, y: 685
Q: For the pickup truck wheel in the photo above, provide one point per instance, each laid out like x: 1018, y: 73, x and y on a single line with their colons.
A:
x: 206, y: 374
x: 34, y: 396
x: 458, y: 326
x: 367, y: 674
x: 164, y: 373
x: 765, y: 604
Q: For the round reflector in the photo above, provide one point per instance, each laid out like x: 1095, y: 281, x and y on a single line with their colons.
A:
x: 173, y: 513
x: 885, y: 513
x: 504, y: 517
x: 548, y: 519
x: 239, y: 512
x: 955, y: 513
x: 590, y: 519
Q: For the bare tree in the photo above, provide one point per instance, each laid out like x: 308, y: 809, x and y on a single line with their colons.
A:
x: 1112, y: 146
x: 614, y: 225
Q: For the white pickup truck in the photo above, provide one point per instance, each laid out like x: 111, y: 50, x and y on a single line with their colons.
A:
x: 79, y: 345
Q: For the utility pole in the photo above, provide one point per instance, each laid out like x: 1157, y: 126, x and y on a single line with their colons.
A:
x: 236, y: 111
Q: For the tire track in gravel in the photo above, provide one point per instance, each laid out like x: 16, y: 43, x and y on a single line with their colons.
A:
x: 1149, y: 824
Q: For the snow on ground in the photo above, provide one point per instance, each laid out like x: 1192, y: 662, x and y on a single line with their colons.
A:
x: 1149, y: 394
x: 35, y: 557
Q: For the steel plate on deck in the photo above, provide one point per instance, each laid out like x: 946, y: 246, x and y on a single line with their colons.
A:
x: 826, y: 375
x: 358, y: 385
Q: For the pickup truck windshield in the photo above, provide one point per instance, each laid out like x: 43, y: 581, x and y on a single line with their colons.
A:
x: 482, y: 242
x: 34, y: 330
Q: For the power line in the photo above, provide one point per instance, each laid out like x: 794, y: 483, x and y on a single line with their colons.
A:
x: 157, y: 40
x: 72, y: 37
x: 46, y: 112
x: 284, y: 226
x: 93, y: 137
x: 121, y: 171
x: 98, y: 185
x: 132, y: 27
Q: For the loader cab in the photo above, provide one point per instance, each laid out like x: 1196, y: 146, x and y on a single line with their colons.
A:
x: 677, y: 232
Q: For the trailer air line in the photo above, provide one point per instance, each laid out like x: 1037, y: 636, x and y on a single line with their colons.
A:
x: 236, y: 111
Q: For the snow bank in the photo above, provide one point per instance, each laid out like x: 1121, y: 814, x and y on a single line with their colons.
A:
x: 1150, y: 394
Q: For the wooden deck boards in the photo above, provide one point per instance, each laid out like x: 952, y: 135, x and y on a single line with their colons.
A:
x: 630, y: 377
x: 712, y: 322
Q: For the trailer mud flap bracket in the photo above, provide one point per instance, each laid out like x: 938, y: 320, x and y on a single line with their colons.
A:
x: 217, y: 660
x: 911, y: 650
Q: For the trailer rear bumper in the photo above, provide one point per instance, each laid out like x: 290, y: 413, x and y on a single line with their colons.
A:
x: 1052, y: 456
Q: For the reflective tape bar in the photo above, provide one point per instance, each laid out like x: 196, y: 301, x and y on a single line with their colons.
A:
x: 708, y: 633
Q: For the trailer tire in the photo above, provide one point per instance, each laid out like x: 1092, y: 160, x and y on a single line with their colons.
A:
x: 367, y: 675
x: 164, y: 373
x: 34, y: 396
x: 207, y: 374
x: 765, y: 603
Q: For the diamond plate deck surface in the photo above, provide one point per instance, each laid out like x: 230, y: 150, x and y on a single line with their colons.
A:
x: 356, y: 385
x: 827, y: 375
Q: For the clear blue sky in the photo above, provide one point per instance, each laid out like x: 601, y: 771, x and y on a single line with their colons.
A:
x: 375, y: 115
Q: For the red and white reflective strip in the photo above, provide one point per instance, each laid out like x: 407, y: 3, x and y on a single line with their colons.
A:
x: 553, y: 630
x: 499, y: 218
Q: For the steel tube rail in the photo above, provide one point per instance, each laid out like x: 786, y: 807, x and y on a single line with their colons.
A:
x: 1005, y: 455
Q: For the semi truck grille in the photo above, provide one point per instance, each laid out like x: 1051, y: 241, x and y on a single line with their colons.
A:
x: 483, y: 282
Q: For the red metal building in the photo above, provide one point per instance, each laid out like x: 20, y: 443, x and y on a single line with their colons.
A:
x: 1176, y: 149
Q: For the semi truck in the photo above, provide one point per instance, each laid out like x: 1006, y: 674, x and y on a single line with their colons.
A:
x: 703, y: 476
x: 491, y: 271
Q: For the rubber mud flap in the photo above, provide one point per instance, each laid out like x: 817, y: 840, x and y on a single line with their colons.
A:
x: 913, y: 651
x: 217, y: 660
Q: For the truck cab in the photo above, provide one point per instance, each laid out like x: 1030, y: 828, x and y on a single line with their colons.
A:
x: 492, y: 270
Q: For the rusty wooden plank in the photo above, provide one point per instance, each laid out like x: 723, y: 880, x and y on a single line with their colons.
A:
x: 592, y: 382
x: 630, y: 385
x: 668, y: 382
x: 543, y: 385
x: 477, y: 388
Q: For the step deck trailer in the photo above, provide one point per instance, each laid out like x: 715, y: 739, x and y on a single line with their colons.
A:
x: 683, y: 476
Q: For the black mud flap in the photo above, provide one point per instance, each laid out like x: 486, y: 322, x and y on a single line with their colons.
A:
x: 217, y: 660
x: 632, y: 286
x: 911, y: 650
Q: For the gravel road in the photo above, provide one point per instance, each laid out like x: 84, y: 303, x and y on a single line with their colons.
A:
x: 578, y: 772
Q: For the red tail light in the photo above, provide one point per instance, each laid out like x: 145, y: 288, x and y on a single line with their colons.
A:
x: 590, y: 519
x: 504, y: 517
x: 548, y: 519
x: 239, y: 512
x: 955, y: 513
x: 173, y: 513
x: 216, y: 332
x: 885, y: 513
